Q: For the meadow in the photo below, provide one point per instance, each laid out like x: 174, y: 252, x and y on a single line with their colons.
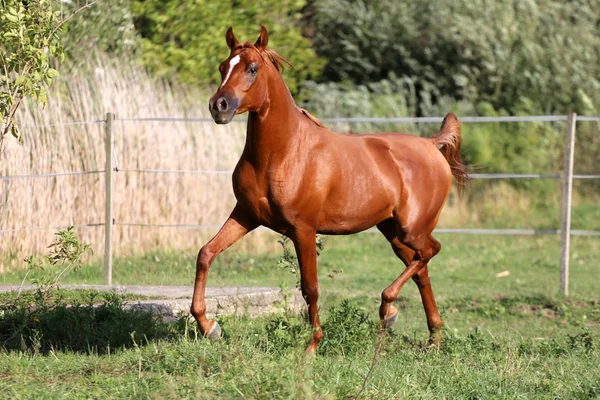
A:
x: 504, y: 337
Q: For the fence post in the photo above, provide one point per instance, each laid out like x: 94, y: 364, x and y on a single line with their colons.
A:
x: 565, y: 230
x: 108, y: 215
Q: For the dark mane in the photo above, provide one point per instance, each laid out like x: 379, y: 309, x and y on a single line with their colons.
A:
x: 271, y: 55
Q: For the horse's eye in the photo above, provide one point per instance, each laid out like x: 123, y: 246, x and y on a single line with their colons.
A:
x: 253, y: 70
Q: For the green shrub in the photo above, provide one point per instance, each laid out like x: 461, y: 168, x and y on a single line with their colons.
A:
x: 347, y: 330
x: 188, y: 38
x: 507, y: 53
x: 107, y: 27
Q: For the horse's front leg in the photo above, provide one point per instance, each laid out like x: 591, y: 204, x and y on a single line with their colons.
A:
x: 236, y: 226
x: 304, y: 242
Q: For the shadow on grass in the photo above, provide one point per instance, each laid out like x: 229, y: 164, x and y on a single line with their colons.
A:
x: 81, y: 327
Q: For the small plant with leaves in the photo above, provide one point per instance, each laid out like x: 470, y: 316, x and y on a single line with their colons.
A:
x: 66, y: 253
x: 289, y: 261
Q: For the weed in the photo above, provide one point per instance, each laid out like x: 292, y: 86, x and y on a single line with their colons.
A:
x: 581, y: 340
x: 347, y: 330
x: 289, y: 261
x: 65, y: 256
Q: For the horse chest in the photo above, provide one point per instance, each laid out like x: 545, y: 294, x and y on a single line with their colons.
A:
x: 260, y: 195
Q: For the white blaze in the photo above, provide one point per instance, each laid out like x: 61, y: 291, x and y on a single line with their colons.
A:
x: 232, y: 63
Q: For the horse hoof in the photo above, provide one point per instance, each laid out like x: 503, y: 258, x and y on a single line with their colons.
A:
x: 390, y: 320
x: 214, y: 333
x: 311, y: 350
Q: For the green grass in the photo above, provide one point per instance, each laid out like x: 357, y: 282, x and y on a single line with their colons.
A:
x: 71, y: 295
x: 467, y: 265
x: 518, y: 353
x: 510, y: 337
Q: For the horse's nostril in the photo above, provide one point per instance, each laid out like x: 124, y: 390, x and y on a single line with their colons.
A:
x: 222, y: 104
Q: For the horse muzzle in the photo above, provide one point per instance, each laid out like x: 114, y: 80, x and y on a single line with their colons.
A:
x: 223, y: 108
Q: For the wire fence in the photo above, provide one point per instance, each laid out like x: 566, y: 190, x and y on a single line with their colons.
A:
x: 112, y: 167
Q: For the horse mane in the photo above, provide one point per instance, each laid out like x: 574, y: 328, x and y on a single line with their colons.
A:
x: 269, y: 55
x: 281, y: 64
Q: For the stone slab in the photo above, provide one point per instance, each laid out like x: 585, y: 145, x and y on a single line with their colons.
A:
x: 173, y: 301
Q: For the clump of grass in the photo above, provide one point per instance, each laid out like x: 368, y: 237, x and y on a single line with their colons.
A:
x: 46, y: 322
x: 347, y: 330
x: 79, y: 327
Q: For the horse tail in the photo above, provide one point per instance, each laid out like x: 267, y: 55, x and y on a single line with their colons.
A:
x: 448, y: 141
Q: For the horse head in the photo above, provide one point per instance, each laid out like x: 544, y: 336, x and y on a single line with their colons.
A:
x: 244, y: 77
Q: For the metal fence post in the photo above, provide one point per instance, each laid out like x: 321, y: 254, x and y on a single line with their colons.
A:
x: 108, y: 215
x: 565, y: 231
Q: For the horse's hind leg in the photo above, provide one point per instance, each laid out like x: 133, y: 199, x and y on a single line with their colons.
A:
x: 387, y: 312
x: 434, y: 321
x: 416, y: 262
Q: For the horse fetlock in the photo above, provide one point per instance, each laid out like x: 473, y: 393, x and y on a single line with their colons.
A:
x: 389, y: 295
x: 197, y: 312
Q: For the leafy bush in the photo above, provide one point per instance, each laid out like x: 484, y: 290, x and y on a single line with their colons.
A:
x: 545, y: 52
x: 106, y: 28
x: 187, y: 38
x: 347, y: 330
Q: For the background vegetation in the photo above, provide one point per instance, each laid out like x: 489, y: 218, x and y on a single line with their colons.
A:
x: 507, y: 335
x: 352, y: 58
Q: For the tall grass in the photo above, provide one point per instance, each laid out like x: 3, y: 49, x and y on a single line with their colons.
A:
x: 169, y: 198
x: 149, y: 198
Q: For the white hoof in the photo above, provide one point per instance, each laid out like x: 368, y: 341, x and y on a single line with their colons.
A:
x: 390, y: 320
x: 214, y: 333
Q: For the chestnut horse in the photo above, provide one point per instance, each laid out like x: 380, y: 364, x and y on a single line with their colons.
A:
x: 298, y: 178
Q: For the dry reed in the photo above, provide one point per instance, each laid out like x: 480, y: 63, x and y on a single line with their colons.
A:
x: 146, y: 198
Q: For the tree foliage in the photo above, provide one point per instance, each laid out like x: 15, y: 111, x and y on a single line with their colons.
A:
x: 106, y: 28
x: 28, y: 39
x: 188, y: 38
x: 543, y: 52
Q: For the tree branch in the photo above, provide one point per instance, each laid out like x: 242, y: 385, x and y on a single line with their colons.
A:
x: 77, y: 11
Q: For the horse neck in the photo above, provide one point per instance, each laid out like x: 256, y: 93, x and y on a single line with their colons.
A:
x: 273, y: 128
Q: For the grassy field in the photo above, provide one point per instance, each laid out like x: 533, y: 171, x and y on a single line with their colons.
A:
x: 509, y: 337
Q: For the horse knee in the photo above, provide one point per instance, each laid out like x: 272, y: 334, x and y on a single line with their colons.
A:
x: 205, y: 258
x: 310, y: 292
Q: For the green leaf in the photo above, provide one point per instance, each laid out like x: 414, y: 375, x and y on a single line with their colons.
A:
x: 20, y: 80
x: 52, y: 73
x: 11, y: 18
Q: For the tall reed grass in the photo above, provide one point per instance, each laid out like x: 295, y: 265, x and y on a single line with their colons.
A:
x: 146, y: 198
x: 169, y: 198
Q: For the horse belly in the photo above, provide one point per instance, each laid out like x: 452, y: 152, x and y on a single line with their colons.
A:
x: 361, y: 207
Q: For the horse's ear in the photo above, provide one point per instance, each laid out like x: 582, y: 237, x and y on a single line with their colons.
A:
x: 231, y: 39
x: 263, y: 39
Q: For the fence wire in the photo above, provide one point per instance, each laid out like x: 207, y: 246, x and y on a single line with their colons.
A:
x: 46, y: 228
x: 49, y: 175
x: 425, y: 120
x: 468, y: 231
x: 539, y: 118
